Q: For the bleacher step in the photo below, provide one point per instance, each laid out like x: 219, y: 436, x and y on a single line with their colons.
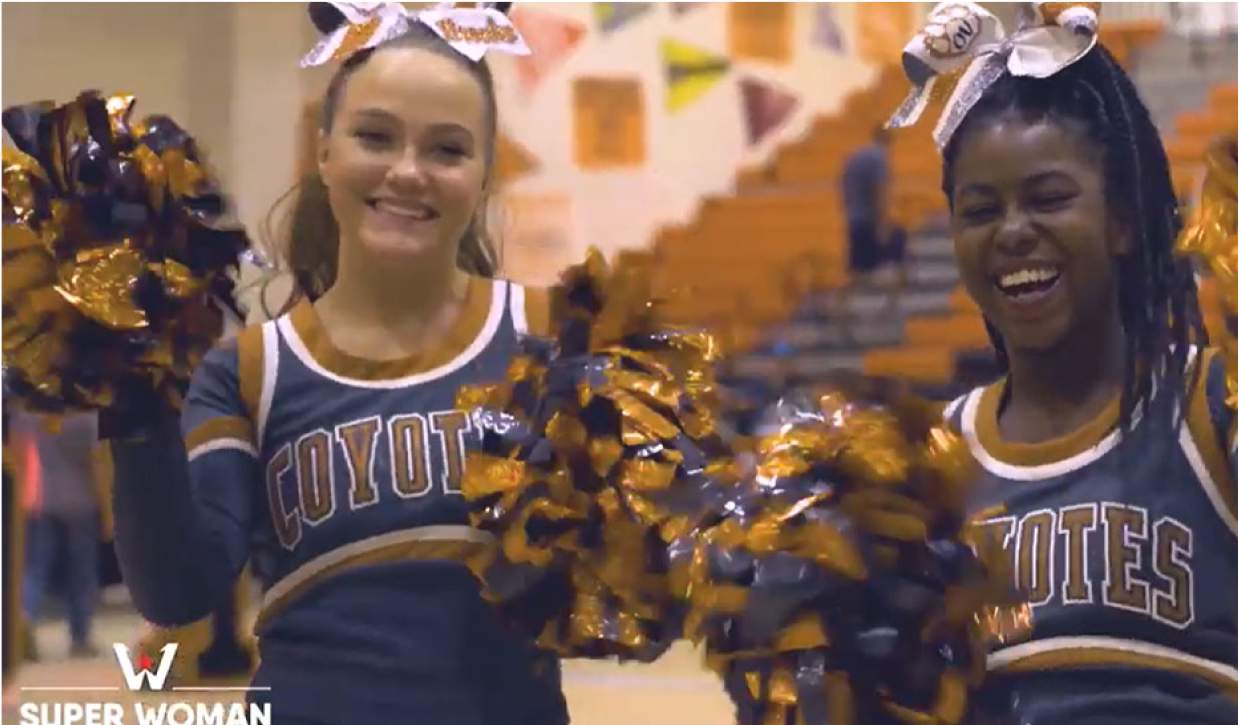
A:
x: 772, y: 366
x: 836, y: 334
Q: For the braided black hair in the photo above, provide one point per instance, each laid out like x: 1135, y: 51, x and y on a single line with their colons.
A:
x: 1157, y: 298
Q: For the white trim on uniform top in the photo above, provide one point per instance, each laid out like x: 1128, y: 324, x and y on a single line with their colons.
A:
x: 1191, y: 451
x: 270, y: 370
x: 1032, y: 473
x: 1010, y: 655
x: 520, y: 319
x: 971, y: 404
x: 311, y: 568
x: 948, y: 413
x: 498, y: 303
x: 223, y: 444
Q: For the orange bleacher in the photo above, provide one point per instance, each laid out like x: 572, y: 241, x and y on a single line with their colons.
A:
x: 1124, y: 39
x: 930, y: 364
x: 957, y: 330
x: 1194, y: 131
x: 747, y: 259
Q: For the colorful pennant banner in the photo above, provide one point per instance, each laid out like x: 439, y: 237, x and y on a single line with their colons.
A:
x: 552, y: 39
x: 825, y: 33
x: 613, y: 16
x: 761, y: 31
x: 690, y: 72
x: 680, y: 8
x: 609, y: 116
x: 765, y: 107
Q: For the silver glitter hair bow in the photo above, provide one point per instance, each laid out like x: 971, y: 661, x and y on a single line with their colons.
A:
x: 963, y: 49
x: 471, y: 31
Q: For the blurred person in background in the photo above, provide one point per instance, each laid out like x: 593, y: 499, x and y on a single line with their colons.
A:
x: 875, y: 242
x: 60, y: 484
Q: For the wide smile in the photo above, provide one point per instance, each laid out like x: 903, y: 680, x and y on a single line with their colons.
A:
x: 403, y: 210
x: 1027, y: 286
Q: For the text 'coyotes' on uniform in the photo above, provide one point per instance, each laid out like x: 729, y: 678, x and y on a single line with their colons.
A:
x: 1127, y: 546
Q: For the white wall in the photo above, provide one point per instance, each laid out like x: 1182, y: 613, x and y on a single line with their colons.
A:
x: 229, y: 73
x: 54, y: 51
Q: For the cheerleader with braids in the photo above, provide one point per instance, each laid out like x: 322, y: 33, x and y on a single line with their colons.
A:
x: 324, y: 447
x: 1106, y: 450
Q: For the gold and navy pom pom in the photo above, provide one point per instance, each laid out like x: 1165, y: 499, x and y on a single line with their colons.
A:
x: 116, y: 252
x: 598, y: 451
x: 1212, y: 237
x: 841, y: 584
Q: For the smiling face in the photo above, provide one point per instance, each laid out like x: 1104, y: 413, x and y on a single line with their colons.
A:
x: 405, y: 158
x: 1033, y: 237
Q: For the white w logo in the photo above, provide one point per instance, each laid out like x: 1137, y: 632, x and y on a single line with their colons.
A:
x: 134, y: 678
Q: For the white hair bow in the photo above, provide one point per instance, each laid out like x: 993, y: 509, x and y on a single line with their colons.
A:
x: 963, y: 49
x: 471, y: 31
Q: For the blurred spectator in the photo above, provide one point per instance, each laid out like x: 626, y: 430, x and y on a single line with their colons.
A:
x: 11, y: 552
x: 875, y: 241
x: 60, y: 490
x: 1200, y: 22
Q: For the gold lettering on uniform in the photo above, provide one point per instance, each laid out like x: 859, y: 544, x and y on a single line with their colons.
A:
x: 1126, y: 527
x: 360, y: 442
x: 1173, y: 551
x: 1035, y: 562
x: 1075, y: 523
x: 993, y: 533
x: 409, y: 459
x: 451, y: 427
x: 314, y: 476
x: 287, y: 521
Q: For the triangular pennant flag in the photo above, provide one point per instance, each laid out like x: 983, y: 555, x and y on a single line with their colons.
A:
x: 512, y: 160
x: 826, y: 34
x: 551, y: 38
x: 612, y: 16
x: 690, y: 72
x: 681, y: 8
x: 765, y: 107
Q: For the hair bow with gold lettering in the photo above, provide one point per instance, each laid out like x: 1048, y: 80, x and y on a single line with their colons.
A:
x: 349, y: 27
x: 963, y: 49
